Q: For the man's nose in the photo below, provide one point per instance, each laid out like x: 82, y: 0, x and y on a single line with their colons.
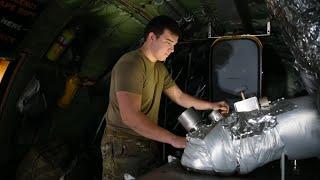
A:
x: 171, y: 49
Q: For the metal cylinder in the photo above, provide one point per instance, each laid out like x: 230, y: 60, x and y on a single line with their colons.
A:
x: 189, y: 119
x: 297, y: 135
x: 215, y: 116
x: 299, y: 129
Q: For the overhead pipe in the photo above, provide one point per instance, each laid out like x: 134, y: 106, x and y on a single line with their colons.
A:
x: 187, y: 16
x: 173, y: 13
x: 134, y: 9
x: 175, y: 10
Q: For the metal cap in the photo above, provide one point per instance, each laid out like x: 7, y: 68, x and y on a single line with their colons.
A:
x: 215, y: 116
x: 189, y: 119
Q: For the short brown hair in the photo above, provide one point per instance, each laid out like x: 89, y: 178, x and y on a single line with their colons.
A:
x: 158, y: 24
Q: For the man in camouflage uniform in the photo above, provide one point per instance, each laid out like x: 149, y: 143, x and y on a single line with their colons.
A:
x: 138, y: 79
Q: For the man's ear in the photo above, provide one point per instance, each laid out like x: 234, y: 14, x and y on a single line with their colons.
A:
x: 151, y: 36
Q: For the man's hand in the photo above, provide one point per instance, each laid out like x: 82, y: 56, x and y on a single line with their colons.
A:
x: 221, y: 106
x: 178, y: 141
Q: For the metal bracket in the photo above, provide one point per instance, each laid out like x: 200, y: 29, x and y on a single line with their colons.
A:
x: 268, y: 33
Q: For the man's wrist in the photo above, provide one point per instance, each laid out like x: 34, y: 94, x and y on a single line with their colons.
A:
x: 172, y: 139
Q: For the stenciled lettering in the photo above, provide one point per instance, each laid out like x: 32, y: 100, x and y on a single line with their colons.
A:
x: 10, y: 24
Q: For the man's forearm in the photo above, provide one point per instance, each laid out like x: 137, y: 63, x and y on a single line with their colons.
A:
x: 187, y: 101
x: 143, y: 126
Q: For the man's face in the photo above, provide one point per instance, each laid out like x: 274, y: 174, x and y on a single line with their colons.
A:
x: 163, y: 46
